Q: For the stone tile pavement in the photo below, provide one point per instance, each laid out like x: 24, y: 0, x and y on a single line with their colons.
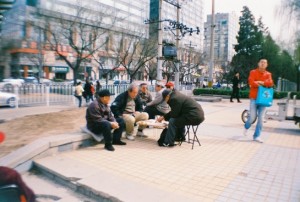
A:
x: 227, y: 167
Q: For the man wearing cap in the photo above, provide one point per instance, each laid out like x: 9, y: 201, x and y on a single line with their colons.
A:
x: 184, y: 111
x: 157, y: 106
x: 101, y: 120
x: 170, y: 85
x: 129, y: 106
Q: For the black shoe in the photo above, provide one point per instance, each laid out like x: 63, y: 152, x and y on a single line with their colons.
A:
x: 239, y: 102
x: 119, y: 143
x: 109, y: 147
x: 231, y: 101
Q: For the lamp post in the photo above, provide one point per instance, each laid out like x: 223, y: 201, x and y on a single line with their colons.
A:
x: 211, y: 63
x: 298, y: 79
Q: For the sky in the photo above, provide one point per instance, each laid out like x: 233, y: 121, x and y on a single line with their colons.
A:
x: 265, y: 8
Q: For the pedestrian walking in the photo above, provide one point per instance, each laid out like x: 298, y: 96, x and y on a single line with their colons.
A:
x: 257, y: 77
x: 236, y: 87
x: 78, y: 92
x: 88, y: 89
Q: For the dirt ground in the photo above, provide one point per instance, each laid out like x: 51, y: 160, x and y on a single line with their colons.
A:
x: 22, y: 131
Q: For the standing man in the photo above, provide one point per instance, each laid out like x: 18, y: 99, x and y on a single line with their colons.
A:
x: 100, y: 120
x: 184, y: 111
x: 236, y: 87
x: 258, y: 77
x: 88, y: 91
x: 157, y: 106
x: 129, y: 106
x: 144, y: 94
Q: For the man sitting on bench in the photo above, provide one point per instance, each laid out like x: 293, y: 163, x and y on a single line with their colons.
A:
x: 101, y: 120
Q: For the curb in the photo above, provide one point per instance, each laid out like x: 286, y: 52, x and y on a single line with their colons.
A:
x: 22, y: 159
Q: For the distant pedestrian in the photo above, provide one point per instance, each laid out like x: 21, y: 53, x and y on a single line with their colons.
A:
x: 98, y: 86
x: 258, y: 77
x: 78, y: 92
x: 236, y: 87
x: 88, y: 91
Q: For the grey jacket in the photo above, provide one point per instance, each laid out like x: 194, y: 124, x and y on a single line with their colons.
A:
x: 159, y: 103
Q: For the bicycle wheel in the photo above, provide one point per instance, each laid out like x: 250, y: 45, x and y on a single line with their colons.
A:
x: 245, y: 115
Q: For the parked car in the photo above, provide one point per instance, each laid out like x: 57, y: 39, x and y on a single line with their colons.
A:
x: 118, y: 82
x: 31, y: 80
x: 8, y: 99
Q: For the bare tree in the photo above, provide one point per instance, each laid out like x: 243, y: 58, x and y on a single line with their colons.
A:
x: 134, y: 53
x: 75, y: 37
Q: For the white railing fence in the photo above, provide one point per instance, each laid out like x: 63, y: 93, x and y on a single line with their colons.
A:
x: 61, y: 94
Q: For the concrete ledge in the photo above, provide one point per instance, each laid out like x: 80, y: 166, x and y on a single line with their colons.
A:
x: 21, y: 159
x: 207, y: 98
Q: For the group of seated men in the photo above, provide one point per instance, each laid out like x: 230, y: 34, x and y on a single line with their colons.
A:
x: 136, y: 104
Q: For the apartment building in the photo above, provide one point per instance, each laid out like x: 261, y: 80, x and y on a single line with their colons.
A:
x: 225, y: 32
x: 24, y: 39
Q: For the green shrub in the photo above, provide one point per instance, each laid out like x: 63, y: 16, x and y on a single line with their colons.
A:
x: 243, y: 93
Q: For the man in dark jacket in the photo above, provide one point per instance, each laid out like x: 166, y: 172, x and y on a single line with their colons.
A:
x: 184, y: 111
x: 236, y: 87
x: 100, y: 120
x: 129, y: 106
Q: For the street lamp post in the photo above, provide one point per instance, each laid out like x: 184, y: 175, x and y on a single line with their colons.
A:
x: 298, y: 79
x: 211, y: 64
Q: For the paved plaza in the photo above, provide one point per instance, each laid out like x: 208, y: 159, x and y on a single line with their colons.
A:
x: 227, y: 167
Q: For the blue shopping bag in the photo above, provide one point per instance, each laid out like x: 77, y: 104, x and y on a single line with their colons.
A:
x: 265, y: 96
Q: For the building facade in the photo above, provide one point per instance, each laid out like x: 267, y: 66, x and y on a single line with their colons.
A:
x: 24, y: 42
x: 191, y: 15
x: 225, y: 32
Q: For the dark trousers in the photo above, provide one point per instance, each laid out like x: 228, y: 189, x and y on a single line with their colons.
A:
x: 176, y: 127
x: 152, y: 111
x: 235, y: 93
x: 89, y: 97
x: 105, y: 128
x: 79, y: 99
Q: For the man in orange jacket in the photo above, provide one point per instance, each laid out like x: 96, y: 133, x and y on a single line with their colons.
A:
x: 258, y: 77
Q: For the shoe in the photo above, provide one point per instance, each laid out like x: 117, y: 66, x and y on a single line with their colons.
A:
x: 239, y: 102
x: 129, y: 137
x: 141, y: 134
x: 231, y: 101
x: 245, y: 132
x: 109, y: 147
x: 119, y: 143
x: 168, y: 145
x: 258, y: 139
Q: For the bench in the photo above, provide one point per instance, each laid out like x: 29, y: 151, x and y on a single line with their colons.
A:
x: 96, y: 137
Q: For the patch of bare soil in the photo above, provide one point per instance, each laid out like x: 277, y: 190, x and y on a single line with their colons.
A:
x: 22, y: 131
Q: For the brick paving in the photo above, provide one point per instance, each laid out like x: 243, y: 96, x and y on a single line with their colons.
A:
x: 227, y: 167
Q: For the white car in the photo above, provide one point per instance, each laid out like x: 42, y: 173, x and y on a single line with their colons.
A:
x: 8, y: 99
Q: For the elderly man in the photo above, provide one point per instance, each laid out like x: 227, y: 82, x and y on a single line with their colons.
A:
x: 184, y: 111
x: 129, y: 106
x: 158, y: 106
x: 100, y: 120
x: 144, y: 94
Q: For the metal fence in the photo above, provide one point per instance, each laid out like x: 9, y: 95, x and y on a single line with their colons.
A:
x: 286, y: 85
x: 58, y: 94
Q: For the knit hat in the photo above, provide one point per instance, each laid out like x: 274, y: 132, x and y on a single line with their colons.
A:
x: 166, y: 92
